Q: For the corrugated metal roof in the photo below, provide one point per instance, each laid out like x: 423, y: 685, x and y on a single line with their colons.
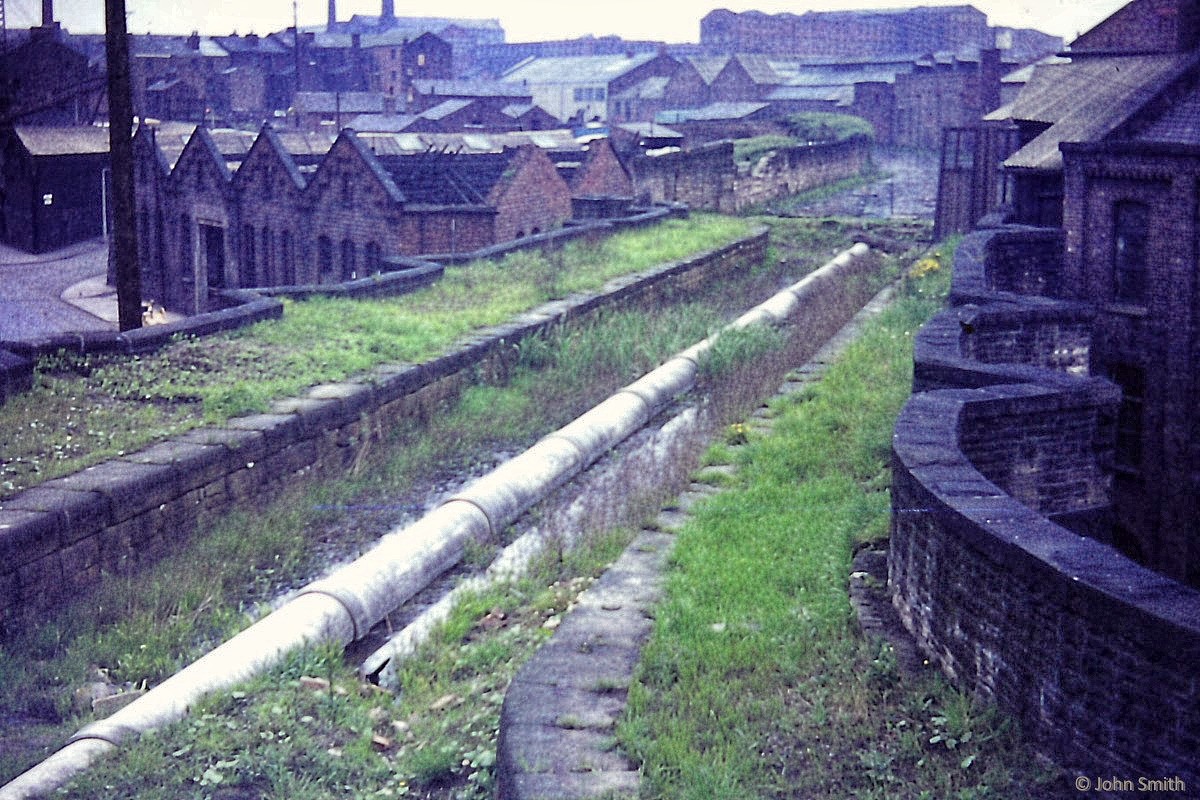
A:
x: 62, y: 141
x: 710, y: 112
x: 759, y: 68
x: 445, y: 109
x: 576, y: 69
x: 709, y: 67
x: 841, y: 95
x: 1085, y: 100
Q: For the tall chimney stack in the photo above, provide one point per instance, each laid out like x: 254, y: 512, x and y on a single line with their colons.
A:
x: 332, y: 15
x: 47, y: 13
x: 389, y: 9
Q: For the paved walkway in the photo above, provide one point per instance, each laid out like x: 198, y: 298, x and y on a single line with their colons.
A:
x: 44, y: 294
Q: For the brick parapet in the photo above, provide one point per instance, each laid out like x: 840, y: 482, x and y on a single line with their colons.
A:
x: 1001, y: 462
x: 1094, y: 653
x: 57, y: 538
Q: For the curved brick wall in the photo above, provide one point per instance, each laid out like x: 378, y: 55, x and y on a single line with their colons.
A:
x: 993, y: 485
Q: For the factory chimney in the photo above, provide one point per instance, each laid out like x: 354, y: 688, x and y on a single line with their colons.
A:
x: 329, y: 26
x: 389, y: 10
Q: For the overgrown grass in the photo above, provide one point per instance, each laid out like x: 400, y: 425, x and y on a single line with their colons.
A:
x: 756, y: 682
x: 748, y: 151
x: 816, y: 126
x: 140, y: 628
x: 85, y: 409
x: 310, y: 730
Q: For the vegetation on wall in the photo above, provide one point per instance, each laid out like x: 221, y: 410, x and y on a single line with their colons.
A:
x: 816, y: 126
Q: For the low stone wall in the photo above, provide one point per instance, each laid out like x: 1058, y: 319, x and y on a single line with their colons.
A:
x: 993, y: 488
x: 797, y: 169
x: 58, y: 537
x: 16, y: 374
x: 707, y: 177
x: 242, y: 307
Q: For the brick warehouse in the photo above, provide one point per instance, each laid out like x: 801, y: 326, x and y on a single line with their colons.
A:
x: 281, y: 219
x: 1045, y: 547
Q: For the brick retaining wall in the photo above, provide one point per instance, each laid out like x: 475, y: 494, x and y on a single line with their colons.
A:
x: 993, y: 486
x: 793, y: 170
x: 58, y: 537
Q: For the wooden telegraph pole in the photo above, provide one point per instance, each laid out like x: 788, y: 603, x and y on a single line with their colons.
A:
x: 120, y: 147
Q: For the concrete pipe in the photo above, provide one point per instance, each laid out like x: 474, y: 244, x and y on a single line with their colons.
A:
x: 346, y: 604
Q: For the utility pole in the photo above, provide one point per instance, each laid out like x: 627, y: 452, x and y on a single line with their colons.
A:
x: 120, y: 148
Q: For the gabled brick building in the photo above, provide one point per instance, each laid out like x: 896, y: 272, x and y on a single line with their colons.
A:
x: 293, y: 213
x: 1108, y: 151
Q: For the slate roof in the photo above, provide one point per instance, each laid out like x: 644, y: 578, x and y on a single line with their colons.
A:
x: 709, y: 67
x: 383, y: 144
x: 759, y: 68
x: 244, y: 44
x: 650, y: 129
x: 155, y: 45
x: 576, y: 69
x: 1085, y: 100
x: 62, y: 141
x: 449, y: 179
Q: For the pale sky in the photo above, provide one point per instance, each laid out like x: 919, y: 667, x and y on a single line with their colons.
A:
x: 526, y: 20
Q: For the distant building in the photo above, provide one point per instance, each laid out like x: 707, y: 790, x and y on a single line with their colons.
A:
x: 47, y: 79
x: 872, y: 34
x: 50, y: 185
x: 584, y: 88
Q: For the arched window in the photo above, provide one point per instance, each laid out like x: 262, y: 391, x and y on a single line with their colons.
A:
x: 1131, y: 229
x: 325, y: 273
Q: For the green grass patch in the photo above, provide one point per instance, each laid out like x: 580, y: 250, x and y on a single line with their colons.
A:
x: 748, y: 151
x: 756, y: 681
x: 309, y: 729
x: 84, y: 409
x: 140, y: 627
x: 816, y: 126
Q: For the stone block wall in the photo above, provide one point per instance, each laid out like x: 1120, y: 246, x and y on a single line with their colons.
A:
x: 707, y: 177
x: 998, y: 468
x: 57, y: 538
x: 797, y: 169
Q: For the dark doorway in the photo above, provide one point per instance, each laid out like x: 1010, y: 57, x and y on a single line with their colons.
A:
x: 213, y: 239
